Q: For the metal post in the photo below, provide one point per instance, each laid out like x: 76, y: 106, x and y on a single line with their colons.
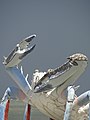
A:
x: 69, y: 104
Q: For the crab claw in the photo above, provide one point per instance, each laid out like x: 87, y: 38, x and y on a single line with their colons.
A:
x: 19, y: 52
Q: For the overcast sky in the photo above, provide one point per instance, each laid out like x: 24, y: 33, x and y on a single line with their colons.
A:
x: 62, y: 28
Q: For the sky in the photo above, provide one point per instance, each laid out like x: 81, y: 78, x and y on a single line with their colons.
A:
x: 62, y: 28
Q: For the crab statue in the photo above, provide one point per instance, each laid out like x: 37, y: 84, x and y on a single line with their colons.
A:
x: 47, y: 91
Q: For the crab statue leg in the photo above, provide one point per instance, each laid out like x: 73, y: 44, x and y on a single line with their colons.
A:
x: 69, y: 104
x: 83, y: 102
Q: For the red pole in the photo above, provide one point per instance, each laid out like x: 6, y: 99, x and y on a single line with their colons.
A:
x: 6, y: 110
x: 28, y: 112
